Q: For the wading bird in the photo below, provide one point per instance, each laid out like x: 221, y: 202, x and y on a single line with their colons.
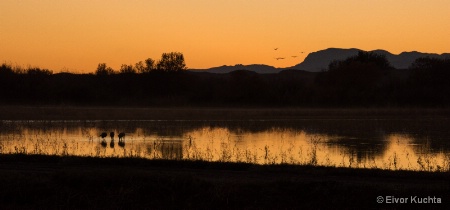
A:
x: 121, y: 136
x: 103, y: 143
x: 121, y: 144
x: 121, y: 139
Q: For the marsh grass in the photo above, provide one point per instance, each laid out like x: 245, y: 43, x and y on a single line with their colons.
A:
x: 318, y: 127
x: 228, y: 151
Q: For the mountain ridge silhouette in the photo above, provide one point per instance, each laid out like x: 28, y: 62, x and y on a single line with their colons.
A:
x: 319, y: 60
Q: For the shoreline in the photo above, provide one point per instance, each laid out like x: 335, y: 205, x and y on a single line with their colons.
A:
x: 89, y: 183
x: 207, y: 113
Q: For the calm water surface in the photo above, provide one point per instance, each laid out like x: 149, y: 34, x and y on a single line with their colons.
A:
x: 407, y: 144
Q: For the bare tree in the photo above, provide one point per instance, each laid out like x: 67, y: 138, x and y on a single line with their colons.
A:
x: 139, y: 66
x: 145, y: 67
x: 127, y: 69
x: 102, y: 69
x: 150, y: 65
x: 171, y: 62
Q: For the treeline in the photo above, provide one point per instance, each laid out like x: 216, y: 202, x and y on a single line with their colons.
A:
x: 169, y: 62
x: 364, y: 80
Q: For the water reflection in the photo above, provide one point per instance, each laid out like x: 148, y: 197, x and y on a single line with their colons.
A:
x: 347, y: 143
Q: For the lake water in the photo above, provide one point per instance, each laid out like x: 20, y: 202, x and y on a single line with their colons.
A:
x: 396, y: 144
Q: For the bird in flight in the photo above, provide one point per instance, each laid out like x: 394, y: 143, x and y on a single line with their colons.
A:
x: 294, y: 56
x: 275, y: 48
x: 279, y: 58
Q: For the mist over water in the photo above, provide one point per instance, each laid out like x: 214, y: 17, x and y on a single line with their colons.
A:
x: 395, y: 144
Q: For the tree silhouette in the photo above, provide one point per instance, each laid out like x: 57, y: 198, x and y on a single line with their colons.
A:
x: 6, y: 70
x: 429, y: 80
x: 171, y: 62
x: 127, y: 69
x: 38, y: 72
x: 367, y: 58
x: 145, y: 67
x: 139, y: 66
x: 431, y: 70
x: 103, y: 70
x: 355, y: 80
x: 150, y: 65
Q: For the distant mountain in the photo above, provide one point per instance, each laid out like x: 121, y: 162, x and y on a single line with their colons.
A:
x: 318, y: 61
x: 259, y: 68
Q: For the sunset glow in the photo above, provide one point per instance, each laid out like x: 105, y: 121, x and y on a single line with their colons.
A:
x: 76, y: 35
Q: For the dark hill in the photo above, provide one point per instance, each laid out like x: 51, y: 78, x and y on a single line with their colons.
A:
x: 318, y: 61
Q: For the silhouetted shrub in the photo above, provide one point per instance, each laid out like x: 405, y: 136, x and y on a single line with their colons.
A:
x: 127, y: 69
x: 356, y: 80
x: 429, y: 81
x: 103, y: 70
x: 171, y: 62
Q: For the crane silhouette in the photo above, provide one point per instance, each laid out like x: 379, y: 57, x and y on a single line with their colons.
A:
x: 103, y: 142
x: 103, y: 135
x: 121, y: 136
x: 111, y: 144
x: 121, y: 139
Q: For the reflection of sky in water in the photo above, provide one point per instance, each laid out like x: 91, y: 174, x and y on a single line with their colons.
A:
x: 393, y: 150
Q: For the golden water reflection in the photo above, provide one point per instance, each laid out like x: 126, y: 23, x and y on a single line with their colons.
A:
x: 393, y: 151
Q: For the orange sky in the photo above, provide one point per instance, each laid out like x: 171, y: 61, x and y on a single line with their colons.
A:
x: 76, y: 35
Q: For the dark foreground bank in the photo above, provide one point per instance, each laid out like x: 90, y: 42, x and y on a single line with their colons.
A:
x: 52, y: 182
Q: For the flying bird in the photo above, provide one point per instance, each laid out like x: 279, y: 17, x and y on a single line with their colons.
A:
x: 276, y: 48
x: 279, y: 58
x: 294, y: 56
